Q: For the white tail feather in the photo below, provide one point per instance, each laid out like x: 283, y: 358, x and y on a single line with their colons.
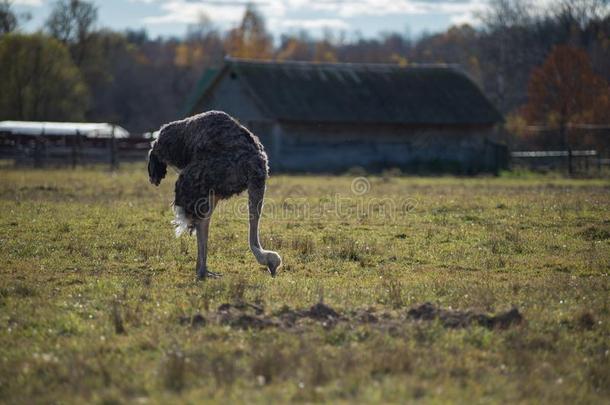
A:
x: 181, y: 222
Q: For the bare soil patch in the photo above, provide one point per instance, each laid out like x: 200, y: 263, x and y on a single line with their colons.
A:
x: 252, y: 316
x: 595, y: 233
x: 461, y: 319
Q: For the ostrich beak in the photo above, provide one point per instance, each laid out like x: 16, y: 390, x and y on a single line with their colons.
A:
x: 274, y: 265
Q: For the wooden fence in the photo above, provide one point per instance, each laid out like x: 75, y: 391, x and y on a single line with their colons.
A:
x: 570, y: 161
x: 71, y: 150
x: 78, y: 150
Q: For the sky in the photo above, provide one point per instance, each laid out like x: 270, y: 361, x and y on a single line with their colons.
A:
x: 366, y: 18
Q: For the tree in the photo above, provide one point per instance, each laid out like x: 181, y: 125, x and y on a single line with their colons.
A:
x: 136, y: 82
x: 565, y: 91
x: 39, y: 80
x: 510, y: 46
x: 517, y: 35
x: 580, y: 12
x: 9, y: 20
x: 325, y: 48
x: 203, y: 46
x: 295, y: 47
x: 201, y: 29
x: 324, y: 52
x: 457, y: 45
x: 72, y: 22
x: 250, y: 39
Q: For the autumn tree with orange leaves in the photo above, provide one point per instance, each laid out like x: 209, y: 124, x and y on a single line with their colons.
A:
x: 565, y: 93
x: 250, y: 39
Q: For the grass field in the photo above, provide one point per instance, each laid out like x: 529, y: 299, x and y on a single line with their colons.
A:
x: 99, y: 302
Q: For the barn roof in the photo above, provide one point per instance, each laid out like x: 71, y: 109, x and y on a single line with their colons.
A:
x: 361, y: 93
x: 35, y: 128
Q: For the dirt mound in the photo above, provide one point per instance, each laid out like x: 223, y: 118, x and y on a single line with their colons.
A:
x: 249, y: 322
x: 252, y: 316
x: 196, y: 321
x: 241, y: 306
x: 318, y: 312
x: 595, y: 233
x: 365, y: 316
x: 321, y: 311
x: 462, y: 319
x: 243, y: 316
x: 582, y: 321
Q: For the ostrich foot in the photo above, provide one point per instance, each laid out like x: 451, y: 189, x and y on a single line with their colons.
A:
x: 205, y: 273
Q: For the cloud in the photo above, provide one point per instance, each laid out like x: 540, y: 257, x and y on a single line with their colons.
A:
x: 315, y: 24
x: 466, y: 18
x: 222, y: 13
x: 225, y: 2
x: 33, y: 3
x: 186, y: 12
x: 282, y: 15
x: 357, y: 8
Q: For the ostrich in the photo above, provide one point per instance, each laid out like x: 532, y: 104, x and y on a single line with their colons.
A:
x: 216, y: 158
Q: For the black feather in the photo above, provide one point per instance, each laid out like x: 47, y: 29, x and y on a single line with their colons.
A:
x: 215, y: 155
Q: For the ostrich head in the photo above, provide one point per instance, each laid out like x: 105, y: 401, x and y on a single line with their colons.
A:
x: 274, y: 261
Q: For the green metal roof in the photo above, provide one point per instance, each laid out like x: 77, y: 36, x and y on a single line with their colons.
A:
x: 362, y: 93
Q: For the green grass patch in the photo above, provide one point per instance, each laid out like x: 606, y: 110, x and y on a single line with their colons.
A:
x: 95, y: 288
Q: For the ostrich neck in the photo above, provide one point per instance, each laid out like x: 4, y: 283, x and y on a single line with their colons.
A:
x: 255, y: 245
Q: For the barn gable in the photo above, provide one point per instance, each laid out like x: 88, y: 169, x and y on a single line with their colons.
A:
x: 222, y: 90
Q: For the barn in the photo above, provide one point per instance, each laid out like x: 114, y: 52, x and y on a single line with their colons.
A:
x: 331, y: 117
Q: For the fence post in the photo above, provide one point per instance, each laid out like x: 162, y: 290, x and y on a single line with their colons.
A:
x: 80, y: 146
x: 587, y: 164
x: 114, y: 164
x: 39, y: 150
x: 570, y: 169
x: 74, y: 152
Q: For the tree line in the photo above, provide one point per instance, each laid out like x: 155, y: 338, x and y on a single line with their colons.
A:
x: 542, y: 66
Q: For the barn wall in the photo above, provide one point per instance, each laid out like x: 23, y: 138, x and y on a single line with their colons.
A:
x: 310, y: 147
x: 329, y: 148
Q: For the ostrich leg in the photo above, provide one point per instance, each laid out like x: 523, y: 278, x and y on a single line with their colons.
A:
x: 203, y: 227
x: 256, y: 194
